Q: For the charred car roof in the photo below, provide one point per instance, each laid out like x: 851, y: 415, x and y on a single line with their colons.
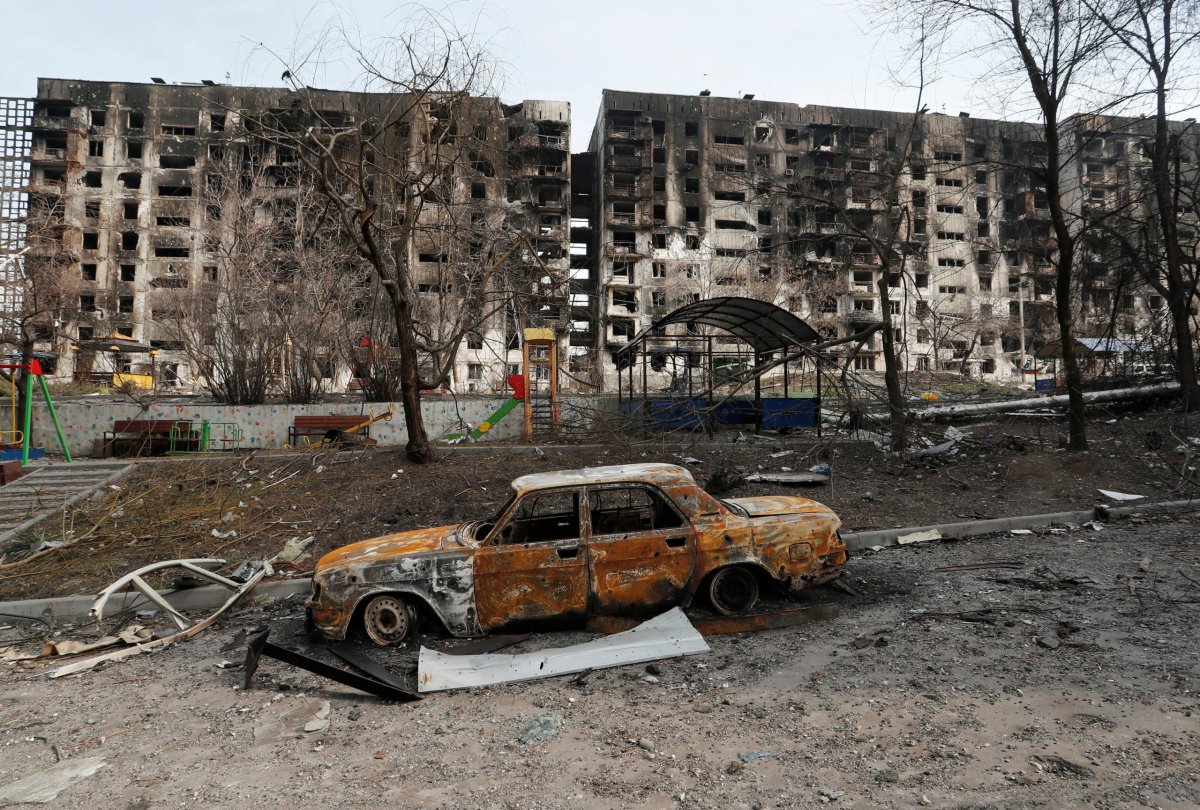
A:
x: 661, y: 475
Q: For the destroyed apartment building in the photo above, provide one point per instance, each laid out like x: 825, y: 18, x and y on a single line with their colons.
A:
x: 676, y: 199
x: 129, y: 188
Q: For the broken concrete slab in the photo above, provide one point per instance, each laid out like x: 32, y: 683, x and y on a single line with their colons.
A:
x: 918, y: 537
x: 44, y: 786
x: 789, y: 478
x: 665, y: 636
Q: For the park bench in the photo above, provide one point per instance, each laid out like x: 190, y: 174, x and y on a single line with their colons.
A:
x: 141, y: 436
x: 305, y: 428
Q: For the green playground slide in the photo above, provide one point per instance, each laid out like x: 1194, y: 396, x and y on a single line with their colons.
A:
x: 484, y: 426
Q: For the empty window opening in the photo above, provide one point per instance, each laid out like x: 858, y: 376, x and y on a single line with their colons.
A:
x: 626, y: 299
x: 951, y: 236
x: 764, y: 216
x: 176, y: 129
x: 91, y: 241
x: 88, y: 272
x: 128, y: 272
x: 130, y: 179
x: 730, y: 196
x: 133, y: 150
x: 658, y: 270
x: 691, y: 129
x: 691, y: 213
x: 431, y: 258
x: 176, y: 161
x: 691, y: 157
x: 129, y: 240
x: 729, y: 168
x: 91, y: 210
x: 93, y: 179
x: 944, y: 262
x: 733, y: 140
x: 732, y: 225
x: 130, y: 210
x: 137, y: 119
x: 948, y: 157
x: 691, y: 185
x: 173, y: 222
x: 125, y: 304
x: 919, y: 199
x: 211, y: 273
x: 791, y: 136
x: 174, y: 191
x: 98, y: 118
x: 478, y: 191
x: 95, y: 148
x: 918, y: 172
x: 164, y: 252
x: 692, y: 242
x: 659, y: 241
x: 87, y: 302
x: 216, y: 122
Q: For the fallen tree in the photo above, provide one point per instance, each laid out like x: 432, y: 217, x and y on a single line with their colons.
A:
x: 977, y: 408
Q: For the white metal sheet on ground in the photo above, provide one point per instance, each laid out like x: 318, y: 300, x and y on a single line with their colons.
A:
x: 664, y: 636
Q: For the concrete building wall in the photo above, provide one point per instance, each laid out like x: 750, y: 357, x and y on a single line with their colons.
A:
x: 128, y: 171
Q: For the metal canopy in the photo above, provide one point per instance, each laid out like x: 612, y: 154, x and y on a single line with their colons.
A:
x: 763, y: 325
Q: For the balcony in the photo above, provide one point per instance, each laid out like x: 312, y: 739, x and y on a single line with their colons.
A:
x: 46, y: 123
x: 42, y: 156
x: 862, y: 317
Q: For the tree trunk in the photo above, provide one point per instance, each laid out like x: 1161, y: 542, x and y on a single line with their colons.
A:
x: 891, y: 370
x: 1177, y: 289
x: 1076, y: 425
x: 418, y: 449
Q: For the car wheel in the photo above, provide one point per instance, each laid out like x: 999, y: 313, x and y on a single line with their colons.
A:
x: 388, y: 620
x: 733, y: 590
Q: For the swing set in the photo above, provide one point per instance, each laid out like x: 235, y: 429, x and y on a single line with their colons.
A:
x: 14, y: 442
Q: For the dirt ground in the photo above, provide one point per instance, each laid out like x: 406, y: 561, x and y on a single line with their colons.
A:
x: 250, y: 506
x: 1054, y: 671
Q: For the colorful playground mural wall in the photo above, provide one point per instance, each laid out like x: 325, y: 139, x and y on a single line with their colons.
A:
x: 84, y: 423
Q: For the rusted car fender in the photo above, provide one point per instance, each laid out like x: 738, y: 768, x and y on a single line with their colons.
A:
x: 458, y: 619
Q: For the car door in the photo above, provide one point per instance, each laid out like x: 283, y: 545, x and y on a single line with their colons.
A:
x: 641, y: 549
x: 532, y: 565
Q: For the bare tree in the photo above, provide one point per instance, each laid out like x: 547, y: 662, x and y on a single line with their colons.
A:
x: 403, y: 183
x: 275, y: 309
x: 48, y: 279
x: 1051, y: 48
x: 1156, y: 45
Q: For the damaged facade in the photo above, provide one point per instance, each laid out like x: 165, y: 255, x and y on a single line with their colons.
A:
x: 131, y: 179
x: 677, y: 198
x: 698, y: 197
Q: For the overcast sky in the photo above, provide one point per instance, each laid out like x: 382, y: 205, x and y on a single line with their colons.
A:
x: 801, y: 51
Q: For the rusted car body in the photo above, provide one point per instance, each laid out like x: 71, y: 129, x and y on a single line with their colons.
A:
x: 622, y: 540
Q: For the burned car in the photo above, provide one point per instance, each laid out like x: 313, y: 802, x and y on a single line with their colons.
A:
x: 627, y: 540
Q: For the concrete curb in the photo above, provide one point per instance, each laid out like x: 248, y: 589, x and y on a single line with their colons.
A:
x: 206, y: 597
x: 857, y: 541
x: 210, y: 597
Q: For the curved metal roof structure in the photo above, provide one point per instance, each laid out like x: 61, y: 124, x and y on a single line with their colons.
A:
x: 765, y: 326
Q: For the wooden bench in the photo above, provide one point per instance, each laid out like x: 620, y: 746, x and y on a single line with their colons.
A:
x: 141, y: 436
x: 304, y: 428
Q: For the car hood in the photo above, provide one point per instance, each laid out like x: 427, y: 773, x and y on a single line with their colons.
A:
x: 390, y: 545
x: 767, y: 505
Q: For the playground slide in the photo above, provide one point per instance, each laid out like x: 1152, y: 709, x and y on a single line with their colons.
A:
x: 517, y: 383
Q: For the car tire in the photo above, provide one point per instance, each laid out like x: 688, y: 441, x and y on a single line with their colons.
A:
x: 389, y: 619
x: 733, y: 590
